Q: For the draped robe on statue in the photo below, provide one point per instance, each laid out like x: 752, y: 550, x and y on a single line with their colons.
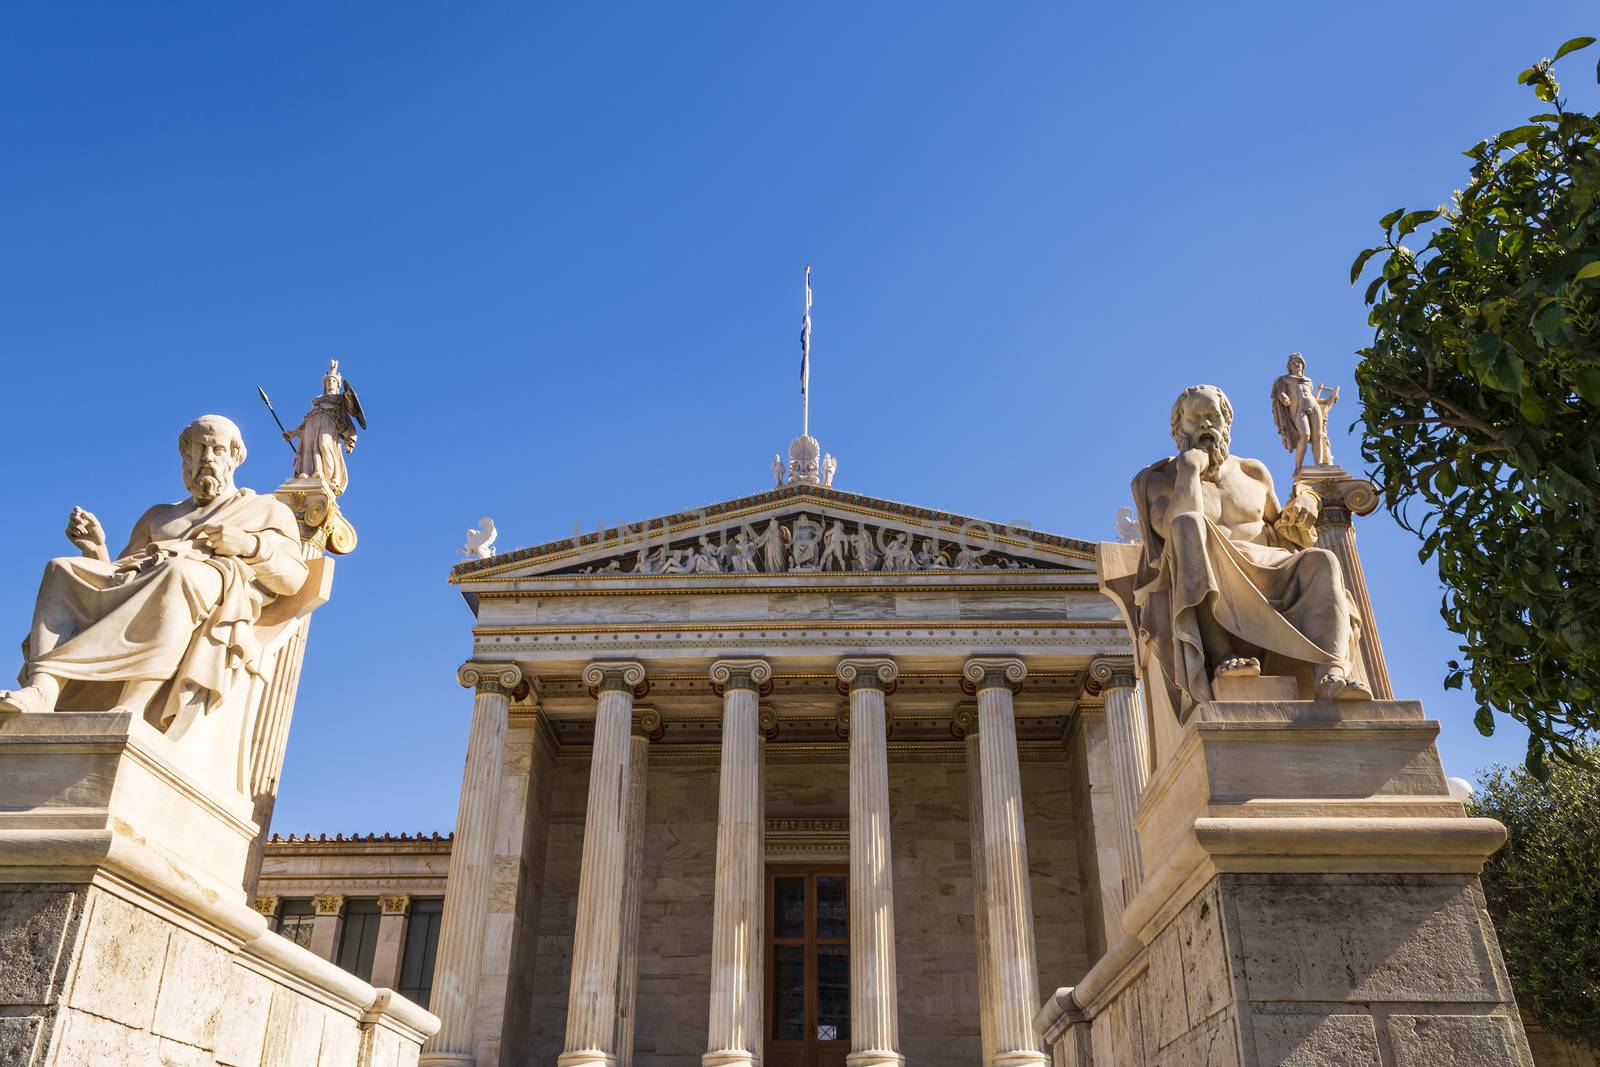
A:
x: 1288, y: 607
x: 166, y: 608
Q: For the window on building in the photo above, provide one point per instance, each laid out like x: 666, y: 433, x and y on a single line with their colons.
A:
x: 359, y: 940
x: 422, y: 943
x: 295, y: 919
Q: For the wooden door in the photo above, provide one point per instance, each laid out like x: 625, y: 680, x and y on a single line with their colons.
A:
x: 807, y: 1007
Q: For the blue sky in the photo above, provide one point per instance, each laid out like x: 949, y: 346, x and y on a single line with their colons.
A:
x: 559, y: 248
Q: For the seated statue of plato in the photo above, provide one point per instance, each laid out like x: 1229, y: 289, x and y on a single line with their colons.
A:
x: 1228, y: 578
x: 164, y: 629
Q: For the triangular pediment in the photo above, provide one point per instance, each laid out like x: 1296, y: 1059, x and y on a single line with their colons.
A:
x: 793, y: 530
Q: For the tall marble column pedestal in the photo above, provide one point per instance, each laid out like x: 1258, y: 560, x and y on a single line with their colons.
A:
x: 125, y: 936
x: 1311, y: 897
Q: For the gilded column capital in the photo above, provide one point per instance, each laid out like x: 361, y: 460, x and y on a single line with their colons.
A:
x: 741, y: 674
x: 329, y: 904
x: 992, y: 672
x: 266, y: 905
x: 964, y: 721
x: 616, y: 675
x: 395, y: 903
x: 503, y: 678
x: 647, y: 723
x: 867, y: 672
x: 1113, y: 672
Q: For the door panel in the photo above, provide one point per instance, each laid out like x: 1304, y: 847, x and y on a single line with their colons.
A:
x: 808, y: 967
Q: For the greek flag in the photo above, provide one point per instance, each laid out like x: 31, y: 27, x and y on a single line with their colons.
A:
x: 805, y: 339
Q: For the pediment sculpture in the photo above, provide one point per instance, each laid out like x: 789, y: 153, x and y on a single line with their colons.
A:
x: 804, y: 544
x: 1229, y: 581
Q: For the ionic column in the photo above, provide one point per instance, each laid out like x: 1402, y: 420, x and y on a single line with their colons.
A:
x: 328, y: 925
x: 391, y: 940
x: 965, y: 726
x: 597, y: 939
x: 874, y: 1016
x: 466, y: 901
x: 646, y: 726
x: 1129, y: 732
x: 1013, y: 974
x: 734, y: 1035
x: 1337, y: 535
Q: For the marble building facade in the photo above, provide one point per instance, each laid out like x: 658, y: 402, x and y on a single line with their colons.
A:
x: 816, y: 778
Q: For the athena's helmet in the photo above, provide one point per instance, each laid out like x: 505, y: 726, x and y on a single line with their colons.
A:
x: 333, y: 381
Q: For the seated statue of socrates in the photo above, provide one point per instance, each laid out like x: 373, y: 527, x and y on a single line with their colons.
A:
x: 1228, y: 579
x: 164, y: 629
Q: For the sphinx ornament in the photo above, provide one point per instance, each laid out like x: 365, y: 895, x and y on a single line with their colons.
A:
x: 1228, y: 579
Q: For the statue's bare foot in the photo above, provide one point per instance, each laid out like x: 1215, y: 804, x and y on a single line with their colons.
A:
x: 1239, y: 667
x: 1336, y: 685
x: 28, y: 700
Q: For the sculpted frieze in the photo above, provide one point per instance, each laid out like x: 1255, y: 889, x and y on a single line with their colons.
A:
x: 804, y: 544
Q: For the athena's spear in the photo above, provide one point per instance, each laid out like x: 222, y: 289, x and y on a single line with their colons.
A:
x: 275, y: 418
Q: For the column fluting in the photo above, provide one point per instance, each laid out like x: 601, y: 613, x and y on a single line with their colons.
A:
x: 966, y: 724
x: 1337, y: 534
x: 597, y: 936
x: 1129, y: 733
x: 734, y: 1034
x: 1013, y: 973
x: 460, y: 952
x: 644, y: 724
x: 874, y: 1014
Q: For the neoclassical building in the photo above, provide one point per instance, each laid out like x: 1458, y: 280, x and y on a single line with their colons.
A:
x: 810, y: 778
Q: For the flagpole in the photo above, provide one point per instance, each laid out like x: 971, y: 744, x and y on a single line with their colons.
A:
x: 805, y: 390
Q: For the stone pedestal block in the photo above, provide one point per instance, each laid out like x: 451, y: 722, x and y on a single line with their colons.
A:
x: 124, y: 933
x: 1311, y: 897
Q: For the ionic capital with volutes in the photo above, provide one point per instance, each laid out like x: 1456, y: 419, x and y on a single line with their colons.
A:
x: 503, y: 678
x: 616, y: 675
x: 753, y: 674
x: 964, y: 721
x: 1113, y: 672
x: 647, y: 723
x: 990, y: 672
x: 867, y: 672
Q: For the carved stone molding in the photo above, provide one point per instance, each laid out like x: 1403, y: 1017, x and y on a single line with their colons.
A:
x: 987, y: 672
x: 266, y: 905
x: 741, y: 674
x: 395, y: 903
x: 875, y: 672
x: 1113, y: 672
x: 613, y: 675
x: 329, y: 904
x: 503, y: 678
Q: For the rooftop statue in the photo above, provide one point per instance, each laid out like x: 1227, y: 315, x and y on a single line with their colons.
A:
x: 480, y: 541
x: 1227, y: 577
x: 1300, y: 412
x: 168, y: 622
x: 328, y: 432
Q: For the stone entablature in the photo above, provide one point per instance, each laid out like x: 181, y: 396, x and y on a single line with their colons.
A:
x: 368, y: 865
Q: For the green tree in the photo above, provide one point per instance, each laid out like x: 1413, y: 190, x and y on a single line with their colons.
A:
x: 1481, y: 412
x: 1543, y: 893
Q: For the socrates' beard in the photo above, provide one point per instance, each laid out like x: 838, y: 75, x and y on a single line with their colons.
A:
x: 1214, y: 443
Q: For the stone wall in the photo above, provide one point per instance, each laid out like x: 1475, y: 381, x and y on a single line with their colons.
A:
x: 936, y: 953
x: 1300, y: 970
x: 90, y: 977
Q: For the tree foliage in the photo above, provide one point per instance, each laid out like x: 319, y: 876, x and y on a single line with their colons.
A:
x: 1481, y: 398
x: 1543, y: 893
